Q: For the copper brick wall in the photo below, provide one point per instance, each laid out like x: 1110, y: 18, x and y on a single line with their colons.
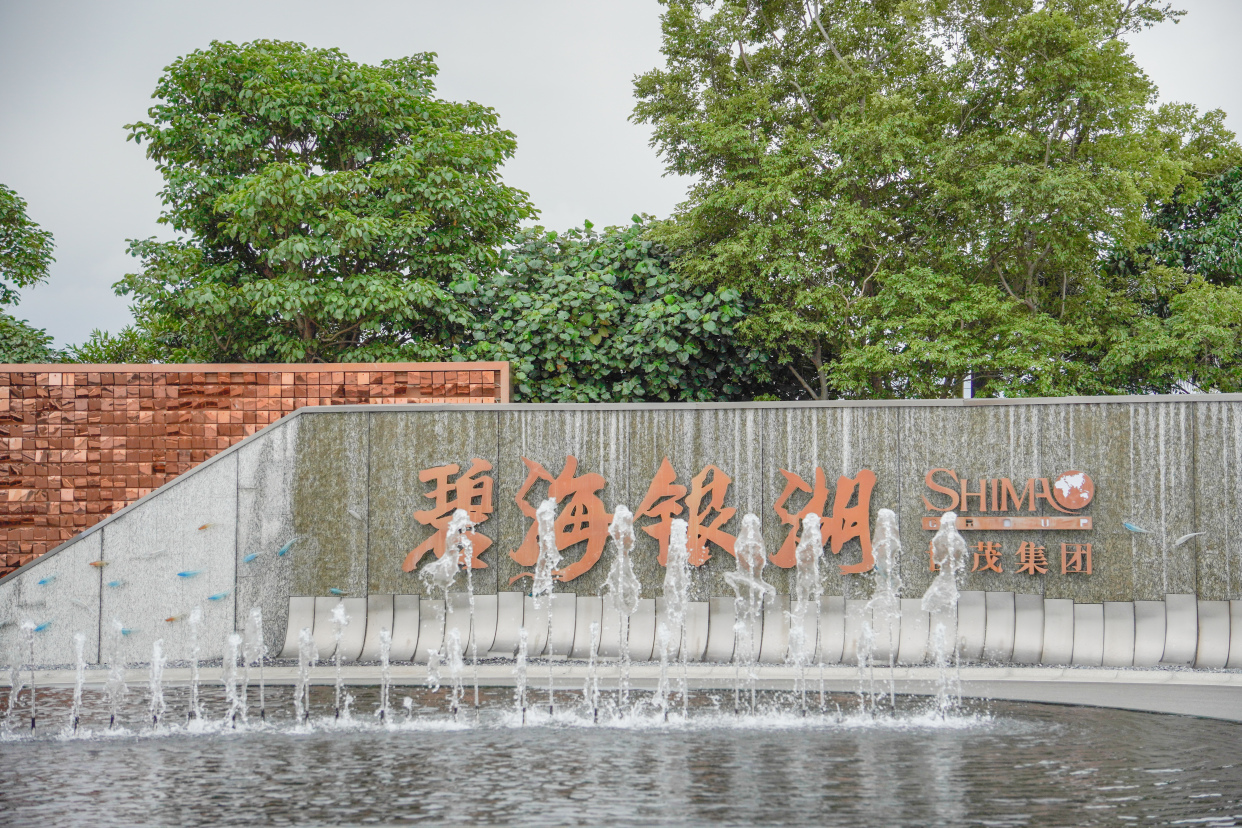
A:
x: 78, y: 442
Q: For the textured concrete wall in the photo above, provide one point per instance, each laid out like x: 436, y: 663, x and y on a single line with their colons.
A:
x: 338, y: 490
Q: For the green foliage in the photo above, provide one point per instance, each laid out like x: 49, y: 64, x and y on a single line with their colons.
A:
x: 919, y: 191
x: 25, y: 249
x: 325, y: 206
x: 600, y: 317
x: 134, y: 345
x: 21, y: 342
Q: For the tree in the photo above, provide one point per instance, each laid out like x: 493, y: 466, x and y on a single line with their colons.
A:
x: 324, y: 206
x: 25, y: 256
x: 917, y: 192
x: 584, y: 316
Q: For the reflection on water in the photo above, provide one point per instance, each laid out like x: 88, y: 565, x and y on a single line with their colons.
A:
x: 996, y: 764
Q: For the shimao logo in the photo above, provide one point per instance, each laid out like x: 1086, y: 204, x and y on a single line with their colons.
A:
x: 995, y: 503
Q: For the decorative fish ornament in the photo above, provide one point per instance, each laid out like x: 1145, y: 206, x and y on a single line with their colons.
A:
x: 116, y: 584
x: 335, y: 591
x: 355, y: 514
x: 1185, y: 538
x: 99, y: 564
x: 173, y: 618
x: 189, y: 573
x: 219, y: 596
x: 127, y: 631
x: 284, y: 550
x: 205, y: 526
x: 43, y: 626
x: 250, y: 557
x: 1138, y: 530
x: 45, y: 581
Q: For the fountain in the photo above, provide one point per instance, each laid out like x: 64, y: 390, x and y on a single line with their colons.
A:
x: 156, y: 683
x: 385, y: 638
x: 882, y: 614
x: 750, y: 590
x: 196, y: 618
x: 29, y: 627
x: 116, y: 688
x: 676, y: 604
x: 940, y: 602
x: 255, y: 652
x: 308, y: 657
x: 231, y: 693
x: 622, y: 591
x: 79, y: 679
x: 519, y: 673
x: 808, y: 590
x: 339, y: 622
x: 590, y: 688
x: 545, y: 576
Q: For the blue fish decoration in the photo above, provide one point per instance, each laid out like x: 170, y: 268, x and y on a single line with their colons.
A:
x: 47, y: 580
x: 116, y: 584
x: 189, y: 573
x: 43, y: 626
x: 250, y: 557
x: 127, y: 631
x: 335, y: 591
x: 284, y: 550
x: 219, y: 596
x: 1138, y: 530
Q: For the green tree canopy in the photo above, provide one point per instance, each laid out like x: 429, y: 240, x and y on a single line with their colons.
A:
x: 323, y: 206
x: 25, y: 256
x: 920, y: 191
x: 585, y: 316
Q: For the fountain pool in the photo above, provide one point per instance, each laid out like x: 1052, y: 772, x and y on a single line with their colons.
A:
x: 994, y: 763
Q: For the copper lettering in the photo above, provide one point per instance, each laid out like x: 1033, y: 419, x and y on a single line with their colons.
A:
x: 581, y: 516
x: 470, y: 492
x: 929, y: 479
x: 967, y: 494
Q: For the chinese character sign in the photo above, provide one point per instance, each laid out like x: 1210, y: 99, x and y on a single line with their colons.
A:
x: 471, y: 491
x: 581, y: 516
x: 844, y: 523
x: 706, y: 516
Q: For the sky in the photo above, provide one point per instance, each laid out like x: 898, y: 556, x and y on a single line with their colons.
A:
x: 72, y: 74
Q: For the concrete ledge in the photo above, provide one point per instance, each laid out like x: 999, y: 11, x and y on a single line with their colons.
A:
x: 1209, y: 695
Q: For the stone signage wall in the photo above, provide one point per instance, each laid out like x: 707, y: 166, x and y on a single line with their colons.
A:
x: 331, y: 504
x: 78, y: 442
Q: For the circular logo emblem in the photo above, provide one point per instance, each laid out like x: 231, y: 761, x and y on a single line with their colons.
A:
x: 1073, y: 489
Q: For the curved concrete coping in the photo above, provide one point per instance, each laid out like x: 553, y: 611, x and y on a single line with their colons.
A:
x: 510, y: 609
x: 405, y: 626
x: 590, y: 611
x: 379, y: 617
x: 1028, y: 628
x: 609, y: 630
x: 431, y: 621
x: 1181, y: 629
x: 972, y: 622
x: 1213, y: 649
x: 1088, y: 635
x: 915, y: 627
x: 698, y: 627
x: 354, y: 632
x: 1235, y: 634
x: 535, y: 619
x: 831, y: 630
x: 854, y: 608
x: 1149, y: 619
x: 564, y: 613
x: 998, y: 637
x: 484, y: 621
x: 1118, y: 634
x: 1204, y: 694
x: 803, y: 630
x: 720, y: 619
x: 325, y: 639
x: 775, y: 640
x: 1058, y: 631
x: 643, y: 630
x: 301, y: 616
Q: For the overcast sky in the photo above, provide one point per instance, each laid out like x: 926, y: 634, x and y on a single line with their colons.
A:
x: 559, y: 73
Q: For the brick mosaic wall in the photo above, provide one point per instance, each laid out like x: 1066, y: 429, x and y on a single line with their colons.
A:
x: 78, y: 442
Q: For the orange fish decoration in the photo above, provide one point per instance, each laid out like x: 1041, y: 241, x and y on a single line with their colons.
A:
x: 205, y: 526
x: 170, y: 619
x: 99, y: 564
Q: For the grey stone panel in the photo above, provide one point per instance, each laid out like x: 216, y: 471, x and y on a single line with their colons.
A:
x: 1181, y: 629
x: 1162, y: 499
x: 175, y: 552
x: 1218, y: 500
x: 265, y: 470
x: 1058, y: 631
x: 379, y: 617
x: 1028, y: 640
x: 590, y: 611
x: 982, y: 442
x: 643, y: 630
x: 1235, y: 635
x: 915, y: 629
x: 301, y: 616
x: 600, y: 440
x: 831, y: 646
x: 330, y: 505
x: 67, y: 603
x: 731, y: 440
x: 998, y: 639
x: 1149, y: 633
x: 403, y: 444
x: 972, y: 617
x: 405, y: 626
x: 841, y: 441
x: 509, y: 623
x: 1096, y: 439
x: 720, y: 630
